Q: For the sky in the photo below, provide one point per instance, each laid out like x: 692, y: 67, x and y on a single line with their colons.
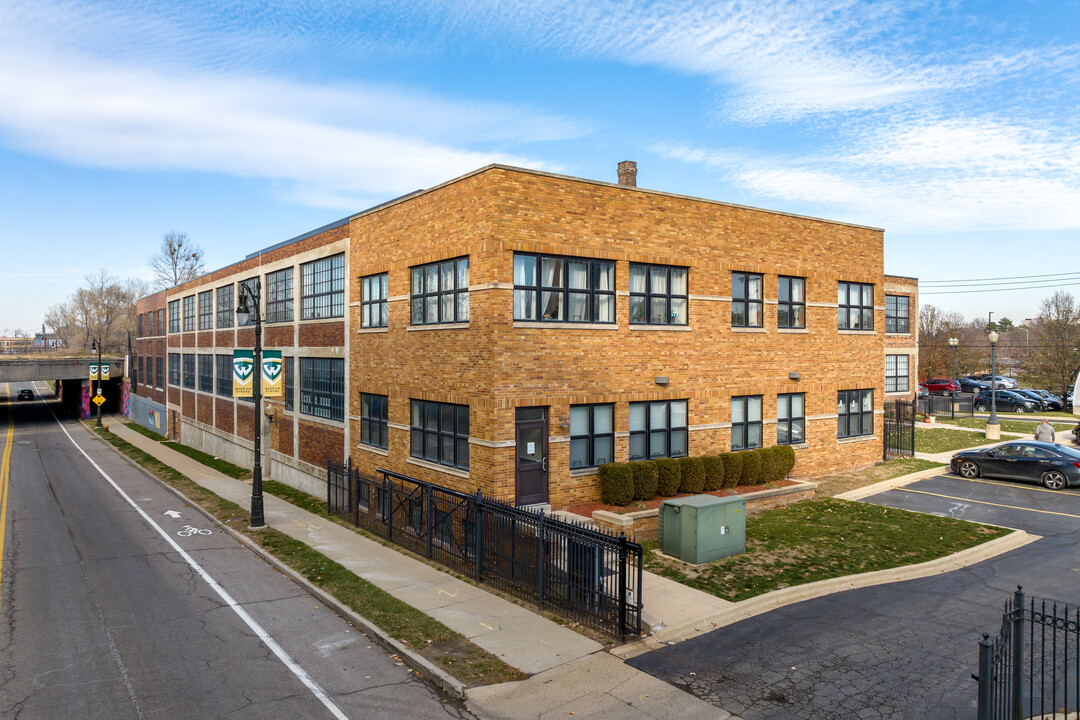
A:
x: 952, y: 125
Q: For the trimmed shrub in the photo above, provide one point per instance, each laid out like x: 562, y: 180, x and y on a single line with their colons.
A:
x: 668, y: 476
x: 714, y: 472
x: 785, y: 460
x: 644, y: 479
x: 733, y: 463
x: 616, y: 483
x: 769, y: 464
x: 751, y: 470
x: 693, y: 475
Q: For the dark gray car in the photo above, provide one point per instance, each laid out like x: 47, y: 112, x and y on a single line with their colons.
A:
x: 1051, y: 464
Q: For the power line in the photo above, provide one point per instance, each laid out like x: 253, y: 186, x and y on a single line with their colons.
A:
x: 1014, y: 277
x: 1007, y: 289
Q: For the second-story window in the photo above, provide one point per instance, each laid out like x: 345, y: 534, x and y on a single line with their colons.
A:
x: 440, y: 292
x: 226, y: 306
x: 747, y: 303
x: 279, y: 296
x: 240, y: 293
x: 658, y: 295
x: 174, y: 316
x: 140, y: 325
x: 374, y: 308
x: 563, y: 289
x: 161, y: 322
x: 322, y: 288
x: 206, y: 310
x: 855, y: 306
x: 790, y: 302
x: 897, y: 314
x: 189, y: 313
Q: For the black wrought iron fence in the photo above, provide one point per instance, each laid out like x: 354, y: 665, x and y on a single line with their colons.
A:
x: 899, y: 429
x: 1031, y: 669
x: 578, y: 572
x: 959, y: 405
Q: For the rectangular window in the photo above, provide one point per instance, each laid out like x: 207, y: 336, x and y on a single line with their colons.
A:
x: 140, y: 325
x: 289, y: 381
x: 206, y: 310
x: 791, y: 419
x: 225, y: 306
x: 141, y: 376
x: 659, y: 295
x: 189, y: 313
x: 747, y: 302
x: 252, y: 285
x: 855, y: 306
x: 658, y: 429
x: 440, y: 292
x: 373, y: 417
x: 855, y: 413
x: 745, y: 422
x: 174, y: 316
x: 206, y: 373
x: 791, y: 302
x: 189, y: 371
x: 224, y: 375
x: 159, y: 373
x: 439, y: 433
x: 563, y: 289
x: 279, y: 296
x: 374, y: 308
x: 174, y: 369
x: 592, y: 435
x: 322, y: 387
x: 161, y: 322
x: 896, y: 373
x: 897, y: 314
x: 322, y: 289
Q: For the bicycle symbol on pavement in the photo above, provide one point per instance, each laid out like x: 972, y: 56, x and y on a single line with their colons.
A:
x: 188, y: 531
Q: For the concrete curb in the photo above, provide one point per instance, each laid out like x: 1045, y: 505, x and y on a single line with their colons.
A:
x: 891, y: 484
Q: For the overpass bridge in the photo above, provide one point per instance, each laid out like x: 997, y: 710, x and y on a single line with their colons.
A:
x: 69, y: 376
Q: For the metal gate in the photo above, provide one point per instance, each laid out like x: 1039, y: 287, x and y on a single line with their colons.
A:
x: 899, y: 430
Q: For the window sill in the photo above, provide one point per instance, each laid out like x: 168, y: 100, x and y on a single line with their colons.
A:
x: 870, y: 331
x: 438, y: 468
x: 661, y: 328
x: 373, y: 450
x: 793, y: 331
x: 748, y: 330
x: 562, y: 325
x: 438, y: 326
x: 365, y: 331
x: 797, y: 446
x: 582, y: 472
x: 859, y: 438
x: 898, y: 393
x: 898, y: 334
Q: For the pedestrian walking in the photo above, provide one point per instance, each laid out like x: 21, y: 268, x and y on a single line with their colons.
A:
x: 1044, y: 431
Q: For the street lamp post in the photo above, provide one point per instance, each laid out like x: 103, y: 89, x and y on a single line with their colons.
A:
x: 95, y: 346
x: 993, y: 429
x: 249, y: 305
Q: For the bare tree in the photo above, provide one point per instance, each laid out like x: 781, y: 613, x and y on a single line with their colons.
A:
x: 1055, y: 353
x: 103, y: 309
x: 935, y: 355
x: 177, y: 260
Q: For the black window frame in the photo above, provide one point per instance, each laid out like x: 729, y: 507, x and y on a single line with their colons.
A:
x: 455, y: 293
x: 174, y: 369
x: 189, y: 313
x: 445, y: 434
x: 206, y: 310
x: 784, y: 302
x: 322, y: 388
x: 322, y: 288
x: 375, y: 308
x: 205, y: 372
x: 374, y: 420
x: 226, y: 306
x: 159, y: 373
x: 649, y: 432
x: 223, y: 375
x: 540, y: 296
x: 895, y: 322
x: 844, y: 306
x: 160, y: 321
x: 174, y: 316
x: 894, y: 379
x: 788, y: 422
x: 288, y: 365
x: 141, y: 379
x: 844, y: 414
x: 140, y: 334
x: 747, y: 424
x: 643, y: 300
x: 745, y: 303
x: 280, y: 292
x: 187, y: 374
x: 590, y: 437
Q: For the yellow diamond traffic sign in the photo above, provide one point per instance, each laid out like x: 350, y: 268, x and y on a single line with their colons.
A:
x: 98, y: 399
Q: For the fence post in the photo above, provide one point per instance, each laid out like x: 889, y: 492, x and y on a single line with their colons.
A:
x: 388, y: 511
x: 543, y: 560
x: 354, y: 491
x: 622, y: 584
x: 986, y: 678
x: 1018, y: 654
x: 427, y: 515
x: 478, y: 531
x: 329, y: 489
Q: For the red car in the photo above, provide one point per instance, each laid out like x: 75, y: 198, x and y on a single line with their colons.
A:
x: 942, y: 387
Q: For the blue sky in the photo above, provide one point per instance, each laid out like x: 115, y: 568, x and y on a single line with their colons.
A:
x: 952, y: 125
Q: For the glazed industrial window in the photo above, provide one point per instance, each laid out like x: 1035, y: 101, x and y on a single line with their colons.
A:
x: 174, y: 369
x: 224, y: 375
x: 855, y: 306
x: 747, y: 303
x: 206, y: 310
x: 658, y: 429
x: 322, y: 387
x: 373, y: 419
x: 250, y: 284
x: 161, y: 322
x: 174, y: 316
x: 591, y: 435
x: 439, y: 433
x: 322, y: 288
x: 189, y: 371
x: 225, y: 306
x: 440, y: 292
x: 791, y: 419
x: 159, y: 373
x: 374, y: 308
x: 279, y: 296
x: 745, y: 422
x: 289, y: 370
x: 896, y: 373
x: 563, y: 289
x: 897, y: 314
x: 141, y: 377
x: 206, y: 373
x: 855, y: 413
x: 658, y: 295
x: 189, y: 313
x: 791, y: 302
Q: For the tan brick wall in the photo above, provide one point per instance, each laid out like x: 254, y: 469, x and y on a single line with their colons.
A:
x: 906, y: 343
x: 319, y: 442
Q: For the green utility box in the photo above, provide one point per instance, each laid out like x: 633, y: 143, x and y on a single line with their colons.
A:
x: 702, y: 528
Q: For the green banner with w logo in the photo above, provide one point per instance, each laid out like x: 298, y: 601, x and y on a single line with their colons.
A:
x: 243, y: 371
x: 271, y: 373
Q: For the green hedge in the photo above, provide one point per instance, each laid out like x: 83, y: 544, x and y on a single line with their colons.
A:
x: 693, y: 475
x: 644, y: 479
x: 616, y: 483
x: 668, y: 476
x: 751, y: 471
x: 733, y: 467
x: 714, y: 472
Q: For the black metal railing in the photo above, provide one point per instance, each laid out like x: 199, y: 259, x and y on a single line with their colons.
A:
x: 581, y: 573
x: 959, y: 405
x: 1032, y: 668
x: 899, y: 429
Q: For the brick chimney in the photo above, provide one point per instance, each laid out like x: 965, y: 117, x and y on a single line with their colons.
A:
x: 628, y: 173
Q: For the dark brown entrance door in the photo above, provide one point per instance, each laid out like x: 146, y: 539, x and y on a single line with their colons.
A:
x: 532, y: 456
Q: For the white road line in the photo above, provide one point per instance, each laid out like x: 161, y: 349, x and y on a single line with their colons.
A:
x: 255, y: 627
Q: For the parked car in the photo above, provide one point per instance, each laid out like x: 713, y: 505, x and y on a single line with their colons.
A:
x: 1000, y: 381
x: 939, y: 386
x: 1052, y: 401
x: 1054, y: 465
x: 972, y: 386
x: 26, y: 394
x: 922, y: 392
x: 1007, y: 400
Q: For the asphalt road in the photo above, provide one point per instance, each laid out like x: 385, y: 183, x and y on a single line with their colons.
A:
x: 114, y: 609
x: 903, y: 650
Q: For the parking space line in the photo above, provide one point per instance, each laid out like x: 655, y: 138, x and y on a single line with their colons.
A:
x: 1012, y: 485
x: 983, y: 502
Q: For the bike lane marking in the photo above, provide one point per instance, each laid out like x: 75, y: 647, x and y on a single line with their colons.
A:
x: 267, y: 640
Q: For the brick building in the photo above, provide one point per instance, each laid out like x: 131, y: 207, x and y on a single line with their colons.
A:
x: 901, y: 336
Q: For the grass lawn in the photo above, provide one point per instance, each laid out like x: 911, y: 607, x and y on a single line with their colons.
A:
x: 225, y: 468
x: 822, y: 539
x: 831, y: 485
x: 1010, y: 425
x: 935, y: 440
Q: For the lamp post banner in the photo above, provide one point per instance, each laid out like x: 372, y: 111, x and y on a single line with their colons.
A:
x: 243, y: 364
x: 271, y: 373
x: 104, y: 371
x: 93, y: 371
